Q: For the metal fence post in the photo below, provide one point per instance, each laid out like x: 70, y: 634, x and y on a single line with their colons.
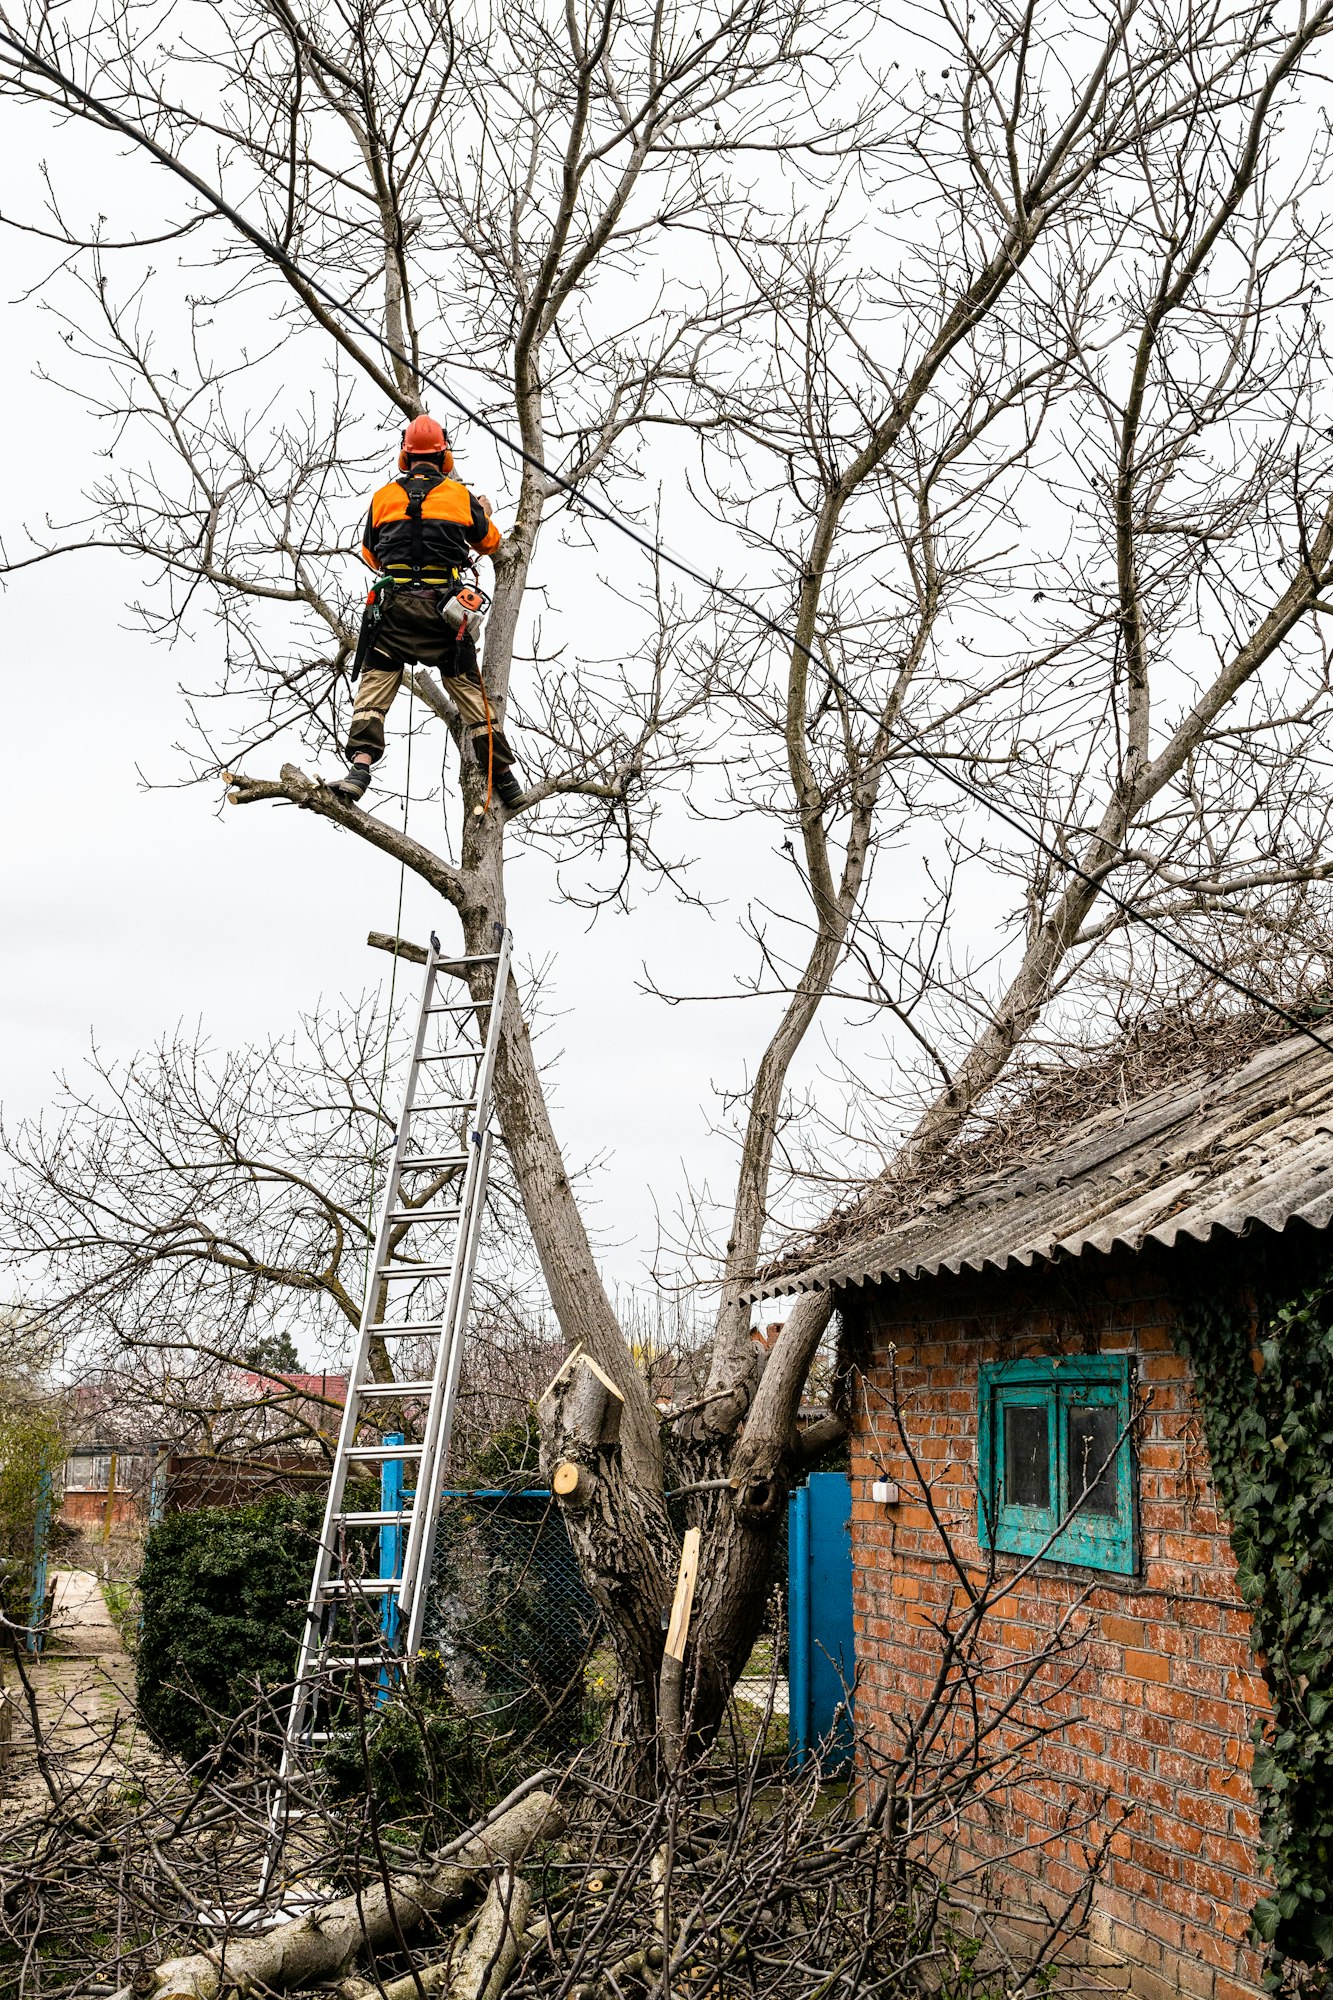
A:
x: 798, y: 1622
x: 41, y: 1535
x: 391, y: 1540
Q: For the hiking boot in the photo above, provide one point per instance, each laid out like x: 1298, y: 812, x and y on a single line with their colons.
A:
x: 508, y: 790
x: 353, y: 785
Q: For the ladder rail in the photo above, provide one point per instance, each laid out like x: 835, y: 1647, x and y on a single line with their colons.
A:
x: 333, y: 1586
x: 472, y: 1201
x: 451, y: 1357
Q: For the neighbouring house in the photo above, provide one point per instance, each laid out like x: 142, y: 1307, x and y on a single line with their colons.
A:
x: 265, y: 1433
x: 106, y: 1488
x: 279, y: 1439
x: 1061, y: 1330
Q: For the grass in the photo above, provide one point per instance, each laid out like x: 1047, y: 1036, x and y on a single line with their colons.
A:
x: 122, y: 1601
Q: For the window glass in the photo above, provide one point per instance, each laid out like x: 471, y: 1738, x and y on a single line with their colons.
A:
x: 1093, y: 1431
x: 1027, y: 1455
x: 88, y: 1472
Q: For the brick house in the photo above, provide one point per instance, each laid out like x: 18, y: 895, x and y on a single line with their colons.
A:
x: 1028, y: 1319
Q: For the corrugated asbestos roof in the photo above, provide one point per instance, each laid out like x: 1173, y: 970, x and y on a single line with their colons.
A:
x: 1216, y: 1153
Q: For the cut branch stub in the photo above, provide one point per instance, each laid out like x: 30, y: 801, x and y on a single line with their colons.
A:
x: 581, y: 1407
x: 572, y: 1483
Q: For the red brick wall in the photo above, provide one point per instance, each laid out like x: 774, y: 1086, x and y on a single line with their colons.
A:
x: 1167, y: 1696
x: 88, y: 1510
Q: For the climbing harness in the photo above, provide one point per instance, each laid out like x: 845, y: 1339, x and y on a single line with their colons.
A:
x: 417, y: 485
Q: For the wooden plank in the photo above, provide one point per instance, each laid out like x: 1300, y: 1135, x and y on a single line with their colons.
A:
x: 678, y: 1631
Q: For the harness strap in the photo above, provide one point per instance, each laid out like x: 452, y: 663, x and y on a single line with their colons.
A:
x: 416, y: 486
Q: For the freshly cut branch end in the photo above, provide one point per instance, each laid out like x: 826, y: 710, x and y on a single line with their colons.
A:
x: 572, y: 1483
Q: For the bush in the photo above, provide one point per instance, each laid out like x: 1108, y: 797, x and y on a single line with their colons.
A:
x: 427, y: 1759
x: 223, y: 1592
x: 30, y: 1447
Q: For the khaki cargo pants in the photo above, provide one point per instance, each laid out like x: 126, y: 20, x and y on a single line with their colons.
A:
x: 412, y: 633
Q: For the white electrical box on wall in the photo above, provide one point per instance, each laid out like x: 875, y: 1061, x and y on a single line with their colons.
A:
x: 885, y: 1491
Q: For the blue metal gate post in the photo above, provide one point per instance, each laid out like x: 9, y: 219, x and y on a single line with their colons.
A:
x: 391, y: 1543
x: 821, y: 1638
x: 41, y: 1535
x: 798, y: 1623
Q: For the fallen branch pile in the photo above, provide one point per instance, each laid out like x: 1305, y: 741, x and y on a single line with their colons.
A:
x: 737, y: 1878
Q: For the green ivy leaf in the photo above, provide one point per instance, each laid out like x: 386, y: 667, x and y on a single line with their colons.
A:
x: 1266, y: 1917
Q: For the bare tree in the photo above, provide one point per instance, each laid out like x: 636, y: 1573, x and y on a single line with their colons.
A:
x: 188, y: 1214
x: 1036, y: 326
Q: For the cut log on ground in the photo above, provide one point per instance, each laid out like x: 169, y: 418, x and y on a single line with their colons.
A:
x: 497, y: 1940
x: 324, y: 1944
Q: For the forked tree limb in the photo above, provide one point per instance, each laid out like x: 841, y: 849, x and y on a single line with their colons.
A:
x: 322, y: 1945
x: 314, y: 795
x: 480, y: 1958
x: 497, y: 1941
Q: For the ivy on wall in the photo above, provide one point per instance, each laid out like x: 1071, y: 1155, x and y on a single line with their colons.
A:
x: 1263, y: 1367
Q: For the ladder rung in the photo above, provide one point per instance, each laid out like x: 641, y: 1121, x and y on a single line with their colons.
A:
x: 445, y: 1104
x: 402, y: 1327
x: 472, y: 1050
x: 434, y: 1160
x: 347, y: 1663
x: 456, y: 1007
x: 413, y: 1270
x: 474, y: 958
x: 381, y: 1451
x: 373, y: 1389
x: 373, y: 1520
x: 424, y: 1214
x: 361, y: 1586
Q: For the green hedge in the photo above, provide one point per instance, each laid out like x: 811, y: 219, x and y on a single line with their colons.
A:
x: 223, y: 1591
x: 30, y: 1447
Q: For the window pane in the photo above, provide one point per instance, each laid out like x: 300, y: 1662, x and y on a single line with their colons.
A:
x: 1093, y: 1430
x: 1027, y: 1456
x: 88, y: 1472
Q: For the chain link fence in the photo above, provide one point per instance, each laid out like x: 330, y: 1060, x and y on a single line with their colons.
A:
x: 509, y: 1621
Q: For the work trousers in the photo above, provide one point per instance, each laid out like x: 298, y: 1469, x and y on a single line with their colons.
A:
x: 411, y: 632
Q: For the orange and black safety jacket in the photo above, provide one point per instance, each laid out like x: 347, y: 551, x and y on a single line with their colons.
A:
x: 422, y: 526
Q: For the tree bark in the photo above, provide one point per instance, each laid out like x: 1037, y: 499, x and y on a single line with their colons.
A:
x: 496, y: 1942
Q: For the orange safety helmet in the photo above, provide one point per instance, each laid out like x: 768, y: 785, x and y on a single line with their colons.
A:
x: 424, y: 438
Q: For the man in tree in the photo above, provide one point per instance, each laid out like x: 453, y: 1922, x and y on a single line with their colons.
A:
x: 420, y: 531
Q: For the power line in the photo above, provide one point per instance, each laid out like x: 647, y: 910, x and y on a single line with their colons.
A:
x: 274, y: 252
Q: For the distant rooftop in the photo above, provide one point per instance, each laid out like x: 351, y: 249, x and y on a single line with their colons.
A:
x: 1211, y: 1152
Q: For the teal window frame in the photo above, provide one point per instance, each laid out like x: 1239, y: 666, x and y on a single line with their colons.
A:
x: 1092, y: 1538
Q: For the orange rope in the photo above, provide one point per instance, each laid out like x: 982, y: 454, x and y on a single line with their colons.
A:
x: 490, y: 743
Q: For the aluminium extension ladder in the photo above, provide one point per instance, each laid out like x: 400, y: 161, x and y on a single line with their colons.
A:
x: 437, y: 1186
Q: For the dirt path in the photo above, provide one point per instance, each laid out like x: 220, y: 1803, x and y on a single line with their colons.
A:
x: 83, y: 1686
